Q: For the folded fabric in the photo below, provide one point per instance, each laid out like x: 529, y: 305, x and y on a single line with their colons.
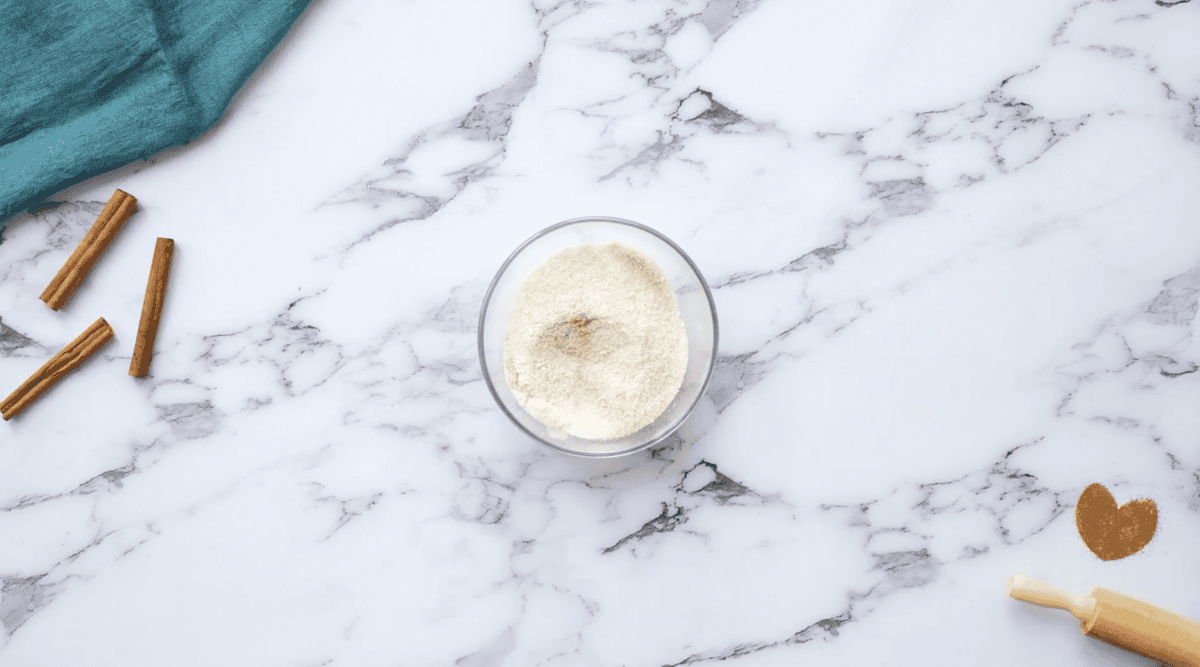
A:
x: 87, y: 86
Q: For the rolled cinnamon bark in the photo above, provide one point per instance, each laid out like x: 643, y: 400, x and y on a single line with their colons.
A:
x: 68, y: 279
x: 68, y: 359
x: 152, y: 305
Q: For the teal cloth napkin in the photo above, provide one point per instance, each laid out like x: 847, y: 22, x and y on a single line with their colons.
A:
x: 87, y: 86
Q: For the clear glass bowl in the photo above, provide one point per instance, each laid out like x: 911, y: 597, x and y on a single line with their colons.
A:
x: 695, y: 304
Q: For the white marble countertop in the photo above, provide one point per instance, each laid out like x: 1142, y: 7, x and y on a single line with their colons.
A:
x: 955, y: 250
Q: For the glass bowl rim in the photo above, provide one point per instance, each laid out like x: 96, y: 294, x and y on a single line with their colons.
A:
x: 712, y: 309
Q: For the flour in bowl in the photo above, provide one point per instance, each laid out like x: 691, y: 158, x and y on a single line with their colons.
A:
x: 595, y: 344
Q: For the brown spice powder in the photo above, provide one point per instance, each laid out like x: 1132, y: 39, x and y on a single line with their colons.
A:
x: 1113, y: 532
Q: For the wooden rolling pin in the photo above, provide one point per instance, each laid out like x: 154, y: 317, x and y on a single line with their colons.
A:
x: 1120, y: 620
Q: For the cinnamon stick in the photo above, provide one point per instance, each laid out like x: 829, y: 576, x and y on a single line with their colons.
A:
x: 68, y: 359
x: 156, y: 292
x: 118, y: 209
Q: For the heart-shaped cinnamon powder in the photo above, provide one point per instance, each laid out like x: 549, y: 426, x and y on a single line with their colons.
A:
x: 1113, y: 532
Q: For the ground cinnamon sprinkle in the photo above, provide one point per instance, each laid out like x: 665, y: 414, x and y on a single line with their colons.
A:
x: 1113, y: 532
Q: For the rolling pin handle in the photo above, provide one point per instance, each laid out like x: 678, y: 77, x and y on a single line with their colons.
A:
x: 1042, y: 593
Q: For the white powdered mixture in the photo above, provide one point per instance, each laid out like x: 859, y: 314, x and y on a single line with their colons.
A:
x: 596, y: 345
